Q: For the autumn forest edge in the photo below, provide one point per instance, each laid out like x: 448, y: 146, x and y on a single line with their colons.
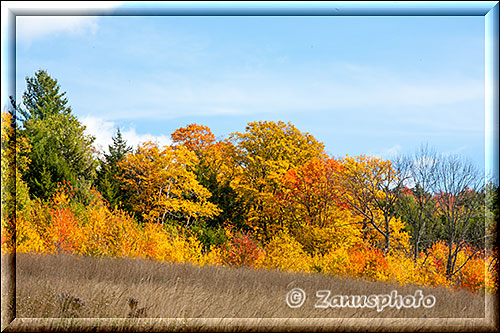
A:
x: 269, y: 197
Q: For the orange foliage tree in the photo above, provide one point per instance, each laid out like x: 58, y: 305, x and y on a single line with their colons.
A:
x: 194, y: 137
x: 309, y: 204
x: 310, y: 193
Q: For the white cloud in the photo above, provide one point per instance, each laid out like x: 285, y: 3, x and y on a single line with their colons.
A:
x: 30, y: 28
x: 104, y: 130
x: 388, y: 153
x: 455, y: 151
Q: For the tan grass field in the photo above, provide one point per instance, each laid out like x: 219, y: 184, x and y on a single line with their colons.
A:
x: 147, y: 295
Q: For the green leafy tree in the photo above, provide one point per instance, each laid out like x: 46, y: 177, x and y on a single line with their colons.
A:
x: 61, y: 150
x: 107, y: 175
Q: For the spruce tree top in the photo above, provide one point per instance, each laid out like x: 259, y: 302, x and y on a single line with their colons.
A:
x: 42, y: 97
x: 118, y: 149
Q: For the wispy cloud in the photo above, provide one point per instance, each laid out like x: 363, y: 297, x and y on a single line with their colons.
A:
x: 388, y: 153
x: 104, y: 130
x: 272, y: 92
x: 30, y: 28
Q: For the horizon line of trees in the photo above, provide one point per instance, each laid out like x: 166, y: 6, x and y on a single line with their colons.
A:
x: 270, y: 178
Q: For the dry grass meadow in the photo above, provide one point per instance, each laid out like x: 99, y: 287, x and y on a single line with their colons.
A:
x: 135, y: 294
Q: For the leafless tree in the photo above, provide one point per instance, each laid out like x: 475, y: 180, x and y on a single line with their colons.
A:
x: 416, y: 204
x: 458, y: 186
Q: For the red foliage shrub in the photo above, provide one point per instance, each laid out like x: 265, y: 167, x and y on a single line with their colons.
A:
x: 243, y: 250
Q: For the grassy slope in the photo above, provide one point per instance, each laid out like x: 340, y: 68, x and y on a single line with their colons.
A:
x: 104, y: 287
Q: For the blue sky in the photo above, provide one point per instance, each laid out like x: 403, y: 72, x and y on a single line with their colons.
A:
x: 361, y: 85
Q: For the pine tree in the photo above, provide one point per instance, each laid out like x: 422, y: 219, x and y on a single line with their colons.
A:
x: 43, y: 98
x: 107, y: 175
x: 61, y: 150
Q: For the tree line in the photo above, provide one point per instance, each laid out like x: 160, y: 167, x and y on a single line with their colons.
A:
x: 269, y: 179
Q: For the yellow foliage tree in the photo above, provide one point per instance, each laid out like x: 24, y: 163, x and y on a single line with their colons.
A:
x: 265, y: 152
x: 170, y: 245
x: 162, y: 184
x: 368, y: 185
x: 15, y: 196
x: 284, y: 253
